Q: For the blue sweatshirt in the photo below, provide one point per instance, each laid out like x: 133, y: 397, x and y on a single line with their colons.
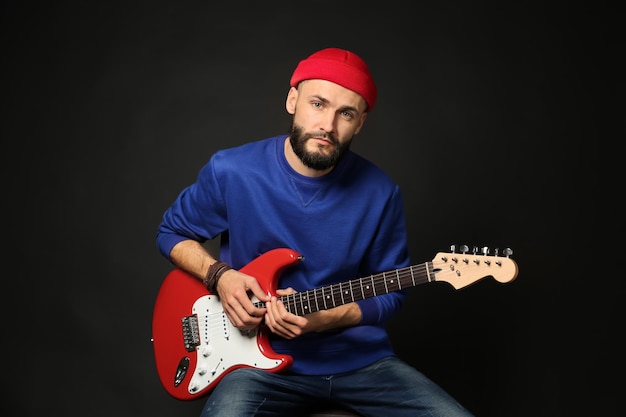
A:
x: 347, y: 224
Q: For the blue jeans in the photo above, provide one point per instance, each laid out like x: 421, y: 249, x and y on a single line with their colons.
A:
x: 389, y: 387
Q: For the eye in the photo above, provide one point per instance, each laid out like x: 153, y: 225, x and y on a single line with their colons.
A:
x: 347, y: 114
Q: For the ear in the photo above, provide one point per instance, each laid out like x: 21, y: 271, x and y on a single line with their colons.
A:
x: 290, y: 103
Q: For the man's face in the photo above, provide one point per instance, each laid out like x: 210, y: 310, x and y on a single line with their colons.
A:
x: 326, y: 116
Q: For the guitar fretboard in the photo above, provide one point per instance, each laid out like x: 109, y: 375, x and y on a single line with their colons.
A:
x: 334, y: 295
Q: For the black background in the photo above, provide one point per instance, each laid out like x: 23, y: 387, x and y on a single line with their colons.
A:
x: 492, y: 118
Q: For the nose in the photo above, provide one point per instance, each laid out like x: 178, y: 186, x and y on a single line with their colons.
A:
x: 327, y: 122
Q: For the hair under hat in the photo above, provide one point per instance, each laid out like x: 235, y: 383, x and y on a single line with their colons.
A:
x: 340, y: 67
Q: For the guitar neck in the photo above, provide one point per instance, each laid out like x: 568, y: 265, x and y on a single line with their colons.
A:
x: 334, y: 295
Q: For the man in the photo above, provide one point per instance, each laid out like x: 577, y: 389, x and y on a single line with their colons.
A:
x: 309, y: 192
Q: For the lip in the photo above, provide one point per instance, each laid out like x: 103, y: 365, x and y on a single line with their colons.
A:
x: 322, y: 140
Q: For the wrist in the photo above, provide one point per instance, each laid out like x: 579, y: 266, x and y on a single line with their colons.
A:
x: 214, y: 274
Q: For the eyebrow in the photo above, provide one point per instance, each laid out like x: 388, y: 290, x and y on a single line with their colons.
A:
x: 343, y: 108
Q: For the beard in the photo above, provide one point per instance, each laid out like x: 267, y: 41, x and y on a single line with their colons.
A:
x: 316, y: 160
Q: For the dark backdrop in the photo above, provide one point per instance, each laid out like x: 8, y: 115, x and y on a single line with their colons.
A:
x: 488, y: 117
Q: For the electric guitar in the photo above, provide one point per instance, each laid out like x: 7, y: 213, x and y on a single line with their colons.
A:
x: 195, y: 345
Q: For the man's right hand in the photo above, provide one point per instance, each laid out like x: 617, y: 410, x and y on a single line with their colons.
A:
x: 235, y: 290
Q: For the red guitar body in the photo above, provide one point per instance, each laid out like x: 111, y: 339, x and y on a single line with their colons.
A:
x: 195, y: 345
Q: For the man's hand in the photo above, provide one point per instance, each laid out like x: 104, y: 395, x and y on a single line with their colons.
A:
x: 289, y: 325
x: 235, y: 290
x: 282, y: 322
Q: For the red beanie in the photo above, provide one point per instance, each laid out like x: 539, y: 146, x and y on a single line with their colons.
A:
x: 340, y: 67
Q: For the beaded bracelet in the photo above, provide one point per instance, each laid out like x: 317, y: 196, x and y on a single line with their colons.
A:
x: 215, y: 272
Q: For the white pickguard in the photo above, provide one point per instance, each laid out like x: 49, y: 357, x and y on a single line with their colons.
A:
x: 222, y: 346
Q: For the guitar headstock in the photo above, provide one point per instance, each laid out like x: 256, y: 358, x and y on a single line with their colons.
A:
x: 465, y: 268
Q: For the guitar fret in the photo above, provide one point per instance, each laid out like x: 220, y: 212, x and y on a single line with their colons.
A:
x: 362, y: 291
x: 379, y: 284
x: 292, y: 303
x: 340, y: 294
x: 297, y: 302
x: 308, y: 301
x: 285, y: 300
x: 317, y: 306
x: 302, y: 303
x: 328, y: 297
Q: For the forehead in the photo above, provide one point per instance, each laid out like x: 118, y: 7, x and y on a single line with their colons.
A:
x: 335, y: 94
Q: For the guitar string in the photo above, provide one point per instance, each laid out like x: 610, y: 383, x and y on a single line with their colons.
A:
x: 326, y: 297
x: 365, y: 284
x: 303, y: 302
x: 365, y: 287
x: 412, y: 275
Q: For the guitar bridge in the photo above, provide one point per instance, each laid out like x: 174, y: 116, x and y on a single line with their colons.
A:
x: 191, y: 333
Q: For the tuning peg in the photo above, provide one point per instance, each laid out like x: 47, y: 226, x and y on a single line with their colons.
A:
x: 507, y: 252
x: 452, y: 248
x: 485, y: 250
x: 464, y: 248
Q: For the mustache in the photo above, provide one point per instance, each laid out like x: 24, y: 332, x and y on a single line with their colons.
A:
x: 321, y: 134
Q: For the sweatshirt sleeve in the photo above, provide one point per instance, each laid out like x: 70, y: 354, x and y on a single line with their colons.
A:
x: 389, y: 252
x: 198, y: 213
